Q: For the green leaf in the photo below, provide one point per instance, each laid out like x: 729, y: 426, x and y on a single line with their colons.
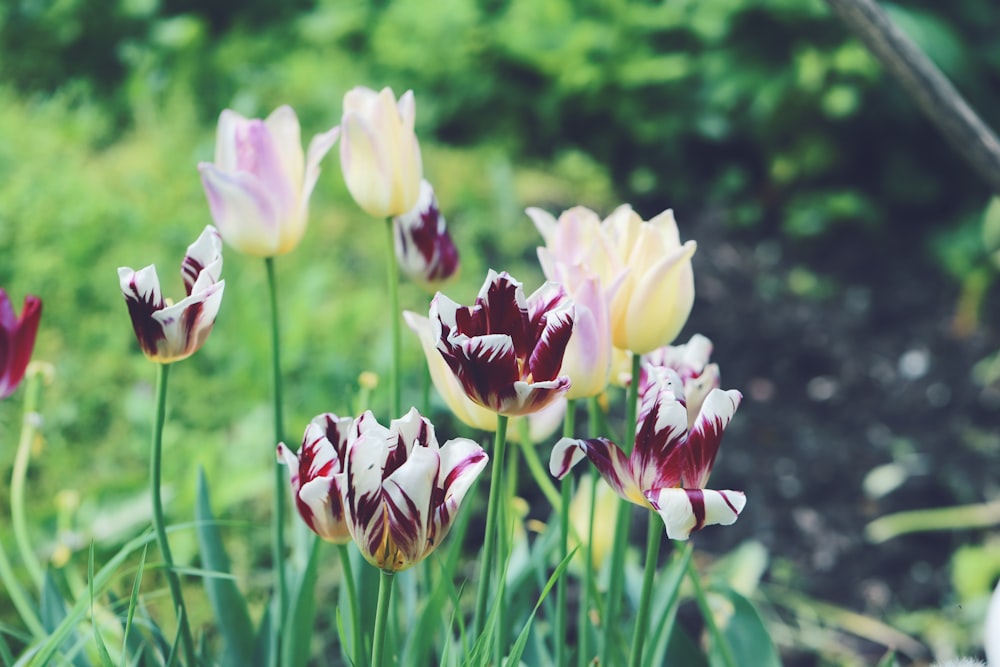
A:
x: 102, y: 650
x: 991, y: 230
x: 682, y: 650
x: 133, y: 604
x: 53, y: 613
x: 743, y: 630
x: 227, y: 602
x: 301, y: 613
x: 665, y: 609
x: 888, y: 660
x: 262, y: 643
x: 522, y: 639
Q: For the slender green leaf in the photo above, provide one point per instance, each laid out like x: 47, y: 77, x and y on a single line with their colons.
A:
x: 342, y: 636
x: 227, y: 602
x: 665, y: 609
x: 262, y: 642
x: 133, y: 604
x: 301, y: 613
x: 889, y: 659
x: 53, y: 611
x: 5, y: 654
x: 682, y: 650
x: 102, y: 650
x: 522, y: 639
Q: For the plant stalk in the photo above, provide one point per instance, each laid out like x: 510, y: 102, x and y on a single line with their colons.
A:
x: 29, y: 428
x: 654, y: 536
x: 490, y: 538
x: 381, y: 617
x: 725, y: 652
x: 352, y: 599
x: 566, y: 484
x: 392, y: 275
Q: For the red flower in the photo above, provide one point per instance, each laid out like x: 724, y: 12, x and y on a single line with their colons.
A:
x: 17, y: 340
x: 505, y: 350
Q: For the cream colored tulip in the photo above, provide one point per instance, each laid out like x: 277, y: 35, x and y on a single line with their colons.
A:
x: 379, y: 153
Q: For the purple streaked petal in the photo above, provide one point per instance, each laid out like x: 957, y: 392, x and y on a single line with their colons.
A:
x: 202, y: 264
x: 503, y: 309
x: 462, y: 461
x: 566, y: 453
x: 407, y: 497
x: 336, y: 430
x: 286, y: 139
x: 242, y: 209
x: 658, y: 454
x: 258, y: 154
x: 414, y: 430
x: 686, y: 510
x: 530, y: 397
x: 552, y: 315
x: 143, y: 298
x: 487, y: 368
x: 613, y: 464
x: 706, y: 435
x: 321, y: 507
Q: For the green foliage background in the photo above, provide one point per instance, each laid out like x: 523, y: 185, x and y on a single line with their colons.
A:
x: 765, y: 109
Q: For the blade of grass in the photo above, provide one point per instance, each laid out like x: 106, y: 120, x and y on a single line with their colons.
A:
x: 301, y: 613
x: 133, y: 603
x: 102, y: 650
x: 515, y: 654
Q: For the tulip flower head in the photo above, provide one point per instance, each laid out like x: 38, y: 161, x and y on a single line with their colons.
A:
x: 505, y: 350
x: 312, y: 471
x: 167, y: 331
x: 402, y: 491
x: 690, y: 362
x: 379, y: 153
x: 424, y: 248
x: 17, y: 340
x: 644, y: 262
x: 259, y: 186
x: 670, y: 463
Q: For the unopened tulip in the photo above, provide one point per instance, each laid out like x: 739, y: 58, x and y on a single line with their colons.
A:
x: 167, y: 331
x: 379, y: 153
x: 424, y: 248
x: 17, y: 340
x: 259, y: 186
x: 670, y: 463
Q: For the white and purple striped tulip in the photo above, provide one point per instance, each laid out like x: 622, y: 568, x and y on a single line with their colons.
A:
x: 259, y: 186
x: 167, y: 331
x: 670, y: 462
x: 690, y: 362
x: 311, y: 473
x: 401, y: 490
x: 424, y: 249
x: 505, y: 350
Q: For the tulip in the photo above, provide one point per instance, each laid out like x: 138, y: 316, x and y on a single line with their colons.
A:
x: 259, y: 186
x: 541, y: 424
x: 690, y: 362
x: 506, y: 351
x: 402, y: 491
x: 167, y: 331
x: 311, y: 473
x: 644, y: 262
x: 379, y: 153
x: 670, y: 463
x: 17, y: 340
x: 424, y: 248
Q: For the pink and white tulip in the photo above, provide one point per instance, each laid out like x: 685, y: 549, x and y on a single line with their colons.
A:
x: 312, y: 471
x: 424, y: 248
x: 402, y: 491
x: 17, y: 340
x: 167, y: 331
x: 259, y: 186
x: 506, y: 351
x: 670, y: 463
x: 379, y: 153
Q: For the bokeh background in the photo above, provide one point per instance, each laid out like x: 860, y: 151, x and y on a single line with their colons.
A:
x: 843, y: 269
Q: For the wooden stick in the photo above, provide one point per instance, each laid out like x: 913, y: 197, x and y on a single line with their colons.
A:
x: 926, y: 85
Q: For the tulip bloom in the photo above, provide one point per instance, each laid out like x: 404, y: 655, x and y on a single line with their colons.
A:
x: 645, y: 261
x: 167, y: 331
x: 379, y: 153
x: 311, y: 473
x: 17, y: 340
x: 670, y: 463
x: 506, y: 351
x: 541, y: 424
x: 690, y: 362
x: 424, y: 248
x: 259, y: 186
x: 402, y: 491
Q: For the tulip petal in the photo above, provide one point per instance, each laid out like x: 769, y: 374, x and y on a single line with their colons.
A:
x: 531, y: 397
x: 285, y: 138
x: 551, y: 313
x: 366, y: 169
x: 143, y: 298
x: 610, y: 461
x: 319, y: 146
x: 566, y: 453
x: 242, y: 210
x: 17, y: 340
x: 407, y: 497
x: 666, y: 287
x: 706, y: 434
x: 502, y: 308
x: 686, y: 510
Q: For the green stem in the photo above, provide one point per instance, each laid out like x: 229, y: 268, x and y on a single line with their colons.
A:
x: 392, y: 275
x: 352, y: 600
x: 173, y: 581
x: 562, y: 645
x: 654, y: 535
x: 725, y: 652
x: 19, y: 597
x: 278, y: 521
x: 489, y: 539
x: 381, y: 616
x: 617, y: 580
x: 536, y: 468
x: 594, y: 423
x: 29, y: 428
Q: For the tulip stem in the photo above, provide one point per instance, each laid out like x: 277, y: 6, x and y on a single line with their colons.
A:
x: 617, y: 572
x: 381, y: 616
x: 561, y: 635
x: 29, y: 428
x: 392, y: 274
x: 173, y: 581
x: 721, y: 643
x: 352, y: 599
x: 595, y: 423
x: 489, y: 539
x: 654, y: 535
x: 278, y: 527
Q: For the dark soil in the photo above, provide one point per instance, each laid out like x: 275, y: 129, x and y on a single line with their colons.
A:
x: 858, y: 368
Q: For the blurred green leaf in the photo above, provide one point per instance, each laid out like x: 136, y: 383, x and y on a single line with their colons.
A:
x: 743, y: 629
